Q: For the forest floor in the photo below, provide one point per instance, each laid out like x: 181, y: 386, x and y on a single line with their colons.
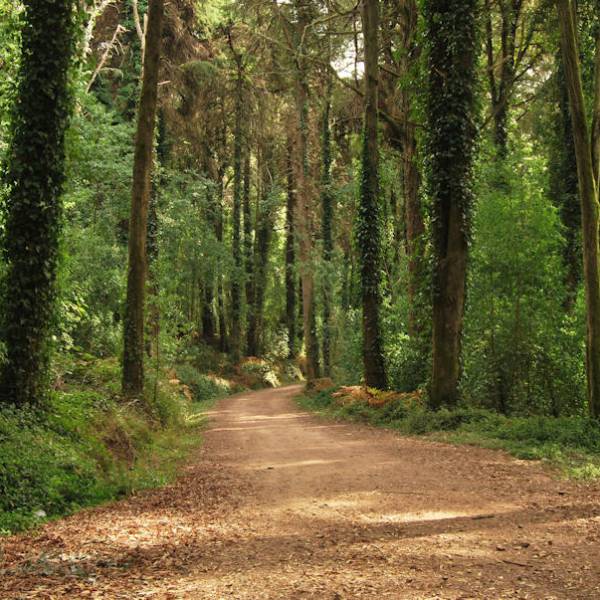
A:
x: 280, y: 504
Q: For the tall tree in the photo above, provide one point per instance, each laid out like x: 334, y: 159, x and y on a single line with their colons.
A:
x: 368, y: 227
x: 327, y: 228
x: 305, y: 191
x: 133, y: 335
x: 451, y: 108
x: 248, y: 247
x: 264, y: 233
x: 34, y: 176
x: 563, y: 186
x: 408, y: 59
x: 238, y: 144
x: 290, y: 253
x: 587, y: 152
x: 510, y: 27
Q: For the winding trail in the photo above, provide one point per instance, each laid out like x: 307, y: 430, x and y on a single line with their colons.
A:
x: 279, y: 504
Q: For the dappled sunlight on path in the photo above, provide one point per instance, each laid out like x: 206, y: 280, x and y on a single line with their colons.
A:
x: 278, y: 504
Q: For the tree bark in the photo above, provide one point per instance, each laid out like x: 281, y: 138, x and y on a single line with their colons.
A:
x: 290, y: 253
x: 133, y: 355
x: 34, y: 177
x: 501, y: 88
x: 368, y: 214
x: 564, y: 188
x: 264, y: 231
x: 411, y: 176
x: 248, y: 251
x: 221, y: 312
x: 451, y: 107
x: 305, y: 201
x: 586, y: 145
x: 327, y: 231
x: 236, y: 287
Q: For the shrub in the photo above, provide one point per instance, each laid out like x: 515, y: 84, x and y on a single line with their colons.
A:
x: 204, y: 387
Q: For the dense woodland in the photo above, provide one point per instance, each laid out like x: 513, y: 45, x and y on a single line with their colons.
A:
x: 401, y: 194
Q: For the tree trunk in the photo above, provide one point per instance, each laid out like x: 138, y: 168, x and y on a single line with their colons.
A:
x: 152, y: 247
x: 248, y: 252
x: 305, y: 201
x: 368, y: 213
x: 209, y: 325
x: 411, y: 177
x: 564, y: 188
x: 290, y: 253
x: 35, y: 173
x: 219, y: 227
x: 133, y: 355
x: 501, y: 88
x: 327, y: 232
x: 586, y: 146
x: 451, y: 108
x: 236, y: 286
x: 264, y: 231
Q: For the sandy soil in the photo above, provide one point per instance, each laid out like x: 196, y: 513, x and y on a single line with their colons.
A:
x: 279, y: 504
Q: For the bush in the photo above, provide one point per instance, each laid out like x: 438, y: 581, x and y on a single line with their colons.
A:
x: 262, y: 371
x: 204, y: 387
x: 88, y: 446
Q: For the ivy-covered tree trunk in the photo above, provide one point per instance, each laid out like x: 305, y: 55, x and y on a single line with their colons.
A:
x: 368, y: 226
x: 248, y: 249
x: 290, y: 254
x: 327, y: 232
x: 219, y: 228
x: 133, y: 354
x: 564, y: 187
x: 451, y: 108
x: 264, y: 233
x: 211, y: 282
x: 236, y: 285
x: 35, y: 175
x: 152, y: 244
x: 587, y: 146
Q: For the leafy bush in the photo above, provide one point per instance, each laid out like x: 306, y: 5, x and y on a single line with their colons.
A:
x: 262, y: 370
x: 88, y: 446
x: 204, y: 387
x: 523, y: 353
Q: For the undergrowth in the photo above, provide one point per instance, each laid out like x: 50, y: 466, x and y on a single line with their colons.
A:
x: 570, y: 443
x: 91, y: 446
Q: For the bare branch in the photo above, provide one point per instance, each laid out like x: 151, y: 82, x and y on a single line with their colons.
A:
x: 141, y: 30
x: 107, y: 53
x: 95, y: 12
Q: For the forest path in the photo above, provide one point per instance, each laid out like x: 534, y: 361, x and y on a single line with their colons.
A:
x: 279, y: 504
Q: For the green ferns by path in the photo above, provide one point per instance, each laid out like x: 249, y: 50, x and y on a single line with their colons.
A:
x: 572, y: 444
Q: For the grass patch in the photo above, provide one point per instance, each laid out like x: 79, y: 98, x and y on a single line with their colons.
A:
x: 571, y: 444
x: 91, y: 446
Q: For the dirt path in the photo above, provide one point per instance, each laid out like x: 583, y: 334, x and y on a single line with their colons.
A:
x: 279, y: 504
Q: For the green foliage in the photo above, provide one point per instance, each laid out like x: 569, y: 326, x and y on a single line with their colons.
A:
x: 96, y: 204
x: 11, y: 13
x: 263, y: 372
x: 89, y: 447
x: 451, y: 111
x: 204, y: 387
x: 33, y: 206
x: 522, y: 352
